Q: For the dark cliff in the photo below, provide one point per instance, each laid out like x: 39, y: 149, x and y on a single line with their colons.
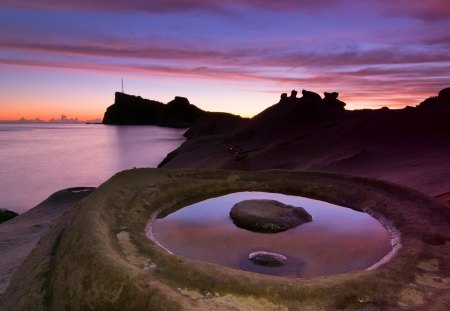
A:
x: 410, y: 146
x: 135, y: 110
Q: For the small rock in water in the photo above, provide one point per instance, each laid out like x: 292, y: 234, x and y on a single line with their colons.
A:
x: 267, y: 259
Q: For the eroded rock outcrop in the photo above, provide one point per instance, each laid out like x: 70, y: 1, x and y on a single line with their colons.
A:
x: 311, y: 101
x: 442, y: 99
x: 135, y: 110
x: 331, y: 101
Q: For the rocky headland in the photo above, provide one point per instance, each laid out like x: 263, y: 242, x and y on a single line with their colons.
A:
x: 135, y: 110
x: 409, y: 146
x: 97, y: 255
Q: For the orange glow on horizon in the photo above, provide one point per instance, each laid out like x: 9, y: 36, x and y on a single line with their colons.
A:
x: 90, y: 110
x: 46, y: 113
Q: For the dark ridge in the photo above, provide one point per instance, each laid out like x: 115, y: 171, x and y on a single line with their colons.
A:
x: 135, y: 110
x: 7, y: 215
x: 443, y: 98
x: 213, y: 123
x: 409, y: 146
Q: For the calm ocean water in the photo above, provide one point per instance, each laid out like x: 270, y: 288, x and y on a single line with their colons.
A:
x: 39, y: 159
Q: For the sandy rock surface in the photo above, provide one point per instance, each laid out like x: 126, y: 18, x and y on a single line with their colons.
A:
x: 20, y: 235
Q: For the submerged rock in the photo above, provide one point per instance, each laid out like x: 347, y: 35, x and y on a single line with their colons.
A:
x: 267, y: 259
x: 268, y: 216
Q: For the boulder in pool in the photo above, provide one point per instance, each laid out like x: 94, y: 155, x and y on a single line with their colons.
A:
x: 267, y: 259
x: 268, y: 216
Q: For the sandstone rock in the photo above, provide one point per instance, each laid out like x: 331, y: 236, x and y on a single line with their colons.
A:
x: 311, y: 95
x: 268, y: 216
x: 135, y: 110
x: 333, y: 95
x: 442, y: 99
x: 444, y: 94
x: 331, y: 101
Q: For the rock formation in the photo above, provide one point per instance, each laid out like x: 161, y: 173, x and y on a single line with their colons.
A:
x: 7, y: 215
x: 268, y: 216
x: 135, y: 110
x: 330, y: 101
x: 399, y: 145
x: 442, y: 99
x: 267, y: 259
x: 311, y: 102
x: 444, y: 94
x: 311, y: 96
x: 212, y: 123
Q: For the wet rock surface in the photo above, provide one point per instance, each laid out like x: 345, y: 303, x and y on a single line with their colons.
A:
x: 267, y: 259
x: 268, y: 216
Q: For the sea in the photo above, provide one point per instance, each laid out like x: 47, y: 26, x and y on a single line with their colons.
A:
x: 37, y: 160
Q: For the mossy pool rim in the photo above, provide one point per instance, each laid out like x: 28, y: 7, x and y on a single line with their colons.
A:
x: 97, y: 257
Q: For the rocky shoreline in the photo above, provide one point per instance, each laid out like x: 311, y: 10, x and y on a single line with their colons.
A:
x: 121, y: 268
x: 18, y: 236
x: 406, y: 146
x: 93, y: 251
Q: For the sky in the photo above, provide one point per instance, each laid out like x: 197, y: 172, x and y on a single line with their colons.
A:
x: 69, y: 57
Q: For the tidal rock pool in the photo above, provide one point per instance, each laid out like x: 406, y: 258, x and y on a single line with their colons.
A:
x: 338, y: 240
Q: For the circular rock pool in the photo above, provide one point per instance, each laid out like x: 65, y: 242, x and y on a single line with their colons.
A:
x: 338, y: 240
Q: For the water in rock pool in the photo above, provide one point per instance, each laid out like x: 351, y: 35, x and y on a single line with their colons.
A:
x: 338, y: 240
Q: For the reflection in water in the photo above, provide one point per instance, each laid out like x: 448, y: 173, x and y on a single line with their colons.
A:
x: 338, y: 239
x: 39, y: 159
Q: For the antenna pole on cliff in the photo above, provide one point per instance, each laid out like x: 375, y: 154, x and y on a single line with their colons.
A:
x: 122, y: 86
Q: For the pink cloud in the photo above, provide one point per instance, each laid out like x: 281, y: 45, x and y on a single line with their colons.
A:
x: 156, y: 6
x: 129, y: 48
x: 429, y: 10
x: 166, y: 6
x: 382, y: 70
x: 106, y: 48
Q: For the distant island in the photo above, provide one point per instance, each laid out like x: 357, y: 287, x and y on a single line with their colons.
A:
x: 135, y: 110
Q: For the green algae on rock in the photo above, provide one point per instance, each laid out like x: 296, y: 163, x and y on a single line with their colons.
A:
x: 98, y: 256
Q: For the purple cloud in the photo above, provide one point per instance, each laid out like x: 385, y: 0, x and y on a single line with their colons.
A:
x: 166, y: 6
x: 427, y: 10
x: 359, y: 52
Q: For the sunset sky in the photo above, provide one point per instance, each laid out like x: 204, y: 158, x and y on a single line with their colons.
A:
x: 68, y: 57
